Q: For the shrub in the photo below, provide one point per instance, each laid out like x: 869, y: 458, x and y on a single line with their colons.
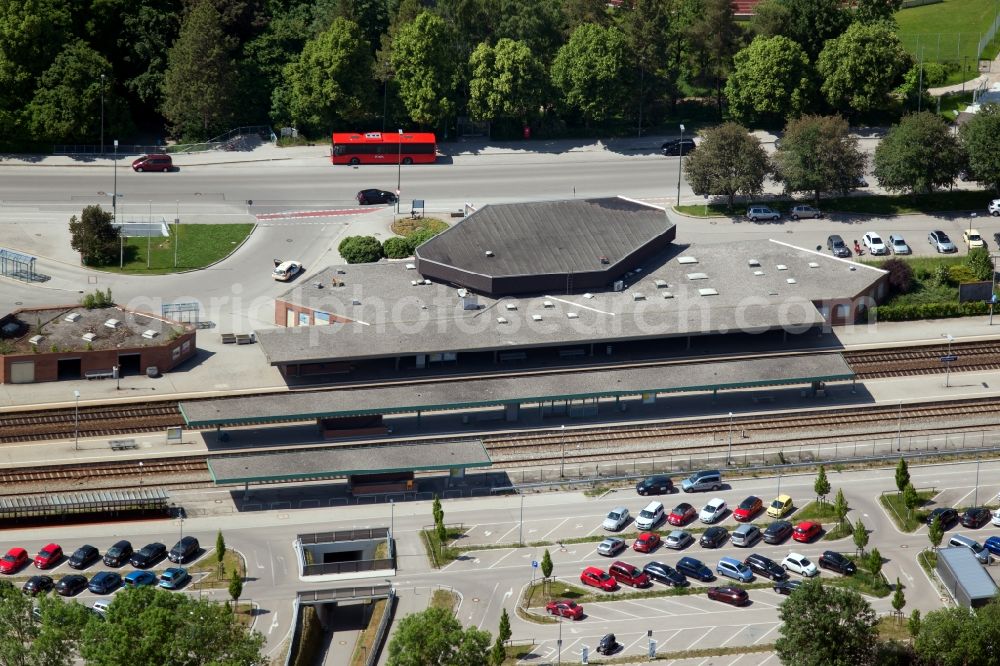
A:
x: 980, y: 264
x: 98, y: 299
x: 421, y: 236
x: 961, y: 273
x: 397, y: 248
x: 929, y: 311
x: 900, y: 275
x: 360, y: 249
x: 942, y: 277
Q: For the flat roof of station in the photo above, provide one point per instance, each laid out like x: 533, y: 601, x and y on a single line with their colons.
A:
x: 348, y: 461
x: 749, y: 286
x: 543, y: 387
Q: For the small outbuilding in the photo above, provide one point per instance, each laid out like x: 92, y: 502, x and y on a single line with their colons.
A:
x: 965, y: 578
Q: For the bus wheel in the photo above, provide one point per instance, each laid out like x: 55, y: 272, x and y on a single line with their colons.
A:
x: 407, y: 160
x: 354, y: 161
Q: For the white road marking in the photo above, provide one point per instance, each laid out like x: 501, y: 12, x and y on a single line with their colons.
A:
x: 776, y: 625
x: 493, y: 596
x: 544, y: 536
x: 511, y: 552
x: 274, y: 623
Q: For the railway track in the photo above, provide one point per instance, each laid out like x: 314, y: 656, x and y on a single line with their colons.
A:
x: 105, y: 475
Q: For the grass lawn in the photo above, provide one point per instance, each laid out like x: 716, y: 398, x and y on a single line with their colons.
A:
x: 199, y: 245
x: 445, y: 599
x: 928, y: 560
x: 406, y: 226
x: 839, y: 531
x: 891, y: 628
x: 861, y: 581
x: 946, y: 31
x: 439, y: 556
x: 815, y: 511
x: 872, y: 204
x: 905, y: 520
x: 210, y: 565
x: 952, y: 104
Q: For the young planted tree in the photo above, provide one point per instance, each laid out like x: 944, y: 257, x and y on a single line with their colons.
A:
x: 236, y: 585
x: 935, y: 532
x: 822, y: 485
x: 898, y: 601
x: 840, y: 506
x: 860, y: 536
x: 497, y: 653
x: 911, y: 500
x: 94, y: 237
x: 902, y: 474
x: 220, y: 550
x: 913, y: 624
x: 546, y: 566
x: 504, y: 633
x: 873, y: 563
x: 437, y: 511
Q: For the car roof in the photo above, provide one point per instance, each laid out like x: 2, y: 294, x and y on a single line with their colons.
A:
x: 593, y: 570
x: 16, y: 551
x: 783, y: 498
x: 618, y: 509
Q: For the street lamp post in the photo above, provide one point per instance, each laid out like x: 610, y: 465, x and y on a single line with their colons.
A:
x: 399, y: 168
x: 559, y: 643
x: 392, y: 517
x: 680, y: 166
x: 177, y: 229
x: 76, y: 422
x: 729, y: 453
x: 102, y: 115
x: 993, y: 289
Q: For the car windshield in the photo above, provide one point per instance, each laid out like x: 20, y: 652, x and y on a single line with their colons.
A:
x: 974, y: 237
x: 614, y: 515
x: 943, y: 238
x: 746, y: 504
x: 712, y: 507
x: 976, y: 548
x: 777, y: 504
x: 645, y: 514
x: 9, y: 558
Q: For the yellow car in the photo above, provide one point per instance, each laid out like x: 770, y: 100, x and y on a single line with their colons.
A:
x: 972, y: 238
x: 781, y: 505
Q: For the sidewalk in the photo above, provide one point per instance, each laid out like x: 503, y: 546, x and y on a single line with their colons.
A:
x: 991, y: 77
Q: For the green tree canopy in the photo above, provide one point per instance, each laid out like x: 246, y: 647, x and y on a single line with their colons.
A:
x: 330, y: 82
x: 771, y: 80
x: 818, y: 155
x: 427, y: 69
x: 508, y: 80
x: 396, y: 247
x: 957, y: 636
x: 860, y: 535
x: 145, y: 626
x: 94, y: 237
x: 198, y: 85
x: 840, y: 506
x: 873, y: 11
x: 980, y: 263
x: 918, y: 155
x: 902, y: 474
x: 539, y: 23
x: 822, y: 484
x: 67, y: 103
x: 592, y: 71
x: 935, y: 532
x: 808, y: 23
x: 826, y: 626
x: 360, y: 249
x: 981, y: 140
x: 235, y: 585
x: 710, y: 39
x: 860, y: 68
x: 652, y: 31
x: 435, y: 636
x: 729, y: 161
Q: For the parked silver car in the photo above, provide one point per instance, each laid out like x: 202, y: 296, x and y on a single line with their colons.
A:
x: 804, y: 211
x: 755, y: 213
x: 898, y: 245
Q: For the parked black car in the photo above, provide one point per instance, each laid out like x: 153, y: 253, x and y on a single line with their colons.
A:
x: 695, y: 569
x: 766, y: 567
x: 946, y: 515
x: 787, y: 586
x: 777, y: 531
x: 184, y: 549
x: 678, y: 146
x: 71, y: 585
x: 663, y: 573
x: 83, y: 557
x: 836, y: 562
x: 105, y: 582
x: 118, y: 554
x: 149, y: 555
x: 714, y: 537
x: 837, y: 247
x: 658, y: 484
x: 366, y: 197
x: 607, y: 645
x: 37, y: 585
x: 975, y: 517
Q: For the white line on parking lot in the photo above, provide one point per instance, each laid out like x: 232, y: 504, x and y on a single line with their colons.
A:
x: 647, y: 609
x: 501, y: 537
x: 545, y: 536
x: 699, y: 639
x: 765, y: 634
x: 632, y: 644
x: 511, y: 552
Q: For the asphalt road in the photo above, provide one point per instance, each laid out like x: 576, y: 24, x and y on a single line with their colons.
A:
x: 489, y: 580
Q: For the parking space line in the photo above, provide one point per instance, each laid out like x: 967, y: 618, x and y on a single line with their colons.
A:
x: 776, y: 625
x: 500, y: 538
x: 647, y: 609
x: 735, y: 634
x: 619, y: 610
x: 511, y: 552
x: 959, y: 501
x: 699, y: 639
x: 633, y: 644
x: 545, y: 536
x: 692, y: 608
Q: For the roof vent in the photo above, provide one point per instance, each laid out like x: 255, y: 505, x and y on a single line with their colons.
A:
x: 355, y: 301
x: 708, y: 291
x: 149, y: 334
x: 661, y: 284
x: 605, y: 260
x: 536, y: 317
x: 489, y: 253
x: 318, y: 285
x: 791, y: 281
x: 572, y: 315
x: 36, y: 339
x: 462, y: 293
x: 71, y: 317
x: 697, y: 276
x: 588, y: 295
x: 512, y: 306
x: 813, y: 264
x: 341, y: 271
x: 758, y: 272
x: 638, y: 296
x: 427, y: 281
x: 89, y: 337
x: 411, y: 267
x: 781, y: 267
x: 687, y: 260
x: 753, y: 262
x: 668, y: 294
x: 501, y: 320
x: 414, y: 283
x: 547, y: 304
x: 112, y: 323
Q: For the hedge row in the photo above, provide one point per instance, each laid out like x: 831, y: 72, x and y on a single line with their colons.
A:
x: 928, y: 311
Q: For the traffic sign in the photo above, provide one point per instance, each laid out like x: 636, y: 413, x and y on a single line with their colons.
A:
x: 534, y: 564
x: 950, y: 358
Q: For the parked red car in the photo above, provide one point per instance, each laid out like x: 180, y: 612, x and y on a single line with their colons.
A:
x: 646, y: 542
x: 731, y: 595
x: 598, y: 578
x: 682, y: 514
x: 748, y: 508
x: 48, y: 556
x: 806, y: 531
x: 14, y: 560
x: 626, y: 574
x: 157, y: 162
x: 565, y: 608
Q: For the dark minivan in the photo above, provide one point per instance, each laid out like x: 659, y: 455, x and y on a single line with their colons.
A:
x: 118, y: 554
x: 658, y: 484
x: 184, y: 549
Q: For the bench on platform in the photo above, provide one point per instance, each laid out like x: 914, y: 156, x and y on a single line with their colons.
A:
x: 228, y: 338
x: 122, y: 444
x: 100, y: 374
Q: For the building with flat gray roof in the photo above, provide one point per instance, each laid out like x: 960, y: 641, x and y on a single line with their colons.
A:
x: 965, y: 578
x: 344, y: 316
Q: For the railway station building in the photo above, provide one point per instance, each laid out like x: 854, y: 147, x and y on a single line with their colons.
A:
x: 556, y: 281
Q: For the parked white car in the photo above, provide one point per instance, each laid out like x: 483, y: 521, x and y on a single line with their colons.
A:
x: 874, y: 243
x: 713, y: 511
x: 800, y: 564
x: 995, y: 517
x: 617, y: 519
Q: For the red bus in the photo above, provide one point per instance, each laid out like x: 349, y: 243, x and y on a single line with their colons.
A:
x: 383, y: 148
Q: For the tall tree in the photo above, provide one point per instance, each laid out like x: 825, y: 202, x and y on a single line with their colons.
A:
x: 902, y: 474
x: 860, y: 536
x: 261, y: 90
x: 898, y: 599
x: 330, y: 82
x: 426, y: 68
x: 729, y: 161
x: 17, y: 629
x: 435, y: 636
x: 862, y: 67
x: 840, y: 507
x: 592, y: 71
x: 809, y: 23
x: 539, y: 23
x: 651, y: 31
x: 94, y: 237
x: 935, y: 532
x: 958, y: 636
x: 508, y: 81
x: 981, y: 140
x: 62, y: 626
x: 826, y: 626
x: 873, y: 11
x: 918, y: 155
x: 220, y: 550
x: 504, y: 633
x: 771, y: 80
x: 711, y: 39
x: 822, y: 485
x: 817, y: 155
x: 199, y: 82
